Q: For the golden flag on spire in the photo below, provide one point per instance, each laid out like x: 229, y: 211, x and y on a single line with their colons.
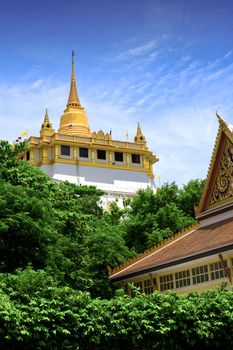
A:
x: 24, y: 133
x: 127, y: 135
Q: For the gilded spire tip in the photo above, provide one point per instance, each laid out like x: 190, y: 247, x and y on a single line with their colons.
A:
x: 139, y: 131
x: 73, y: 100
x: 46, y: 118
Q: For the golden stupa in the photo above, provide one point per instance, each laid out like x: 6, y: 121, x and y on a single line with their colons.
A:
x: 74, y: 120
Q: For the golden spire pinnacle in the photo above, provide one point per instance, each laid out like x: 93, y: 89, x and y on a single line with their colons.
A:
x: 74, y: 119
x: 139, y: 136
x: 46, y: 117
x: 73, y: 100
x: 46, y: 127
x: 139, y: 131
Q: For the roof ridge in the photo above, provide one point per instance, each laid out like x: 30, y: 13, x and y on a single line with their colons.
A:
x: 153, y: 249
x: 212, y: 159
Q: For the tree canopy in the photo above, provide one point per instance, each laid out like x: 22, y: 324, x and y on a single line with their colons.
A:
x: 152, y: 217
x: 63, y: 229
x: 59, y: 227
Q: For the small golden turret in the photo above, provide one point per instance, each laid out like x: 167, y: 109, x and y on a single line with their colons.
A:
x: 139, y: 138
x: 74, y: 120
x: 46, y: 127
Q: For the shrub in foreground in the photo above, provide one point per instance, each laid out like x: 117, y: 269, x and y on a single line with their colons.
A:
x: 61, y: 318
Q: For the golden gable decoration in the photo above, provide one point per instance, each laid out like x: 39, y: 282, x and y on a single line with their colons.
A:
x: 223, y: 187
x: 218, y: 187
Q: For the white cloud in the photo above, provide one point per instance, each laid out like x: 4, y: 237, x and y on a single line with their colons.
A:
x: 137, y: 51
x: 228, y: 54
x: 22, y: 106
x: 183, y: 139
x: 186, y: 58
x: 37, y: 84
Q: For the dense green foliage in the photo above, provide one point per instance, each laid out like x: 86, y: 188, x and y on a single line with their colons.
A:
x: 59, y: 227
x: 25, y: 228
x: 56, y: 243
x: 152, y: 217
x: 36, y: 313
x: 63, y: 229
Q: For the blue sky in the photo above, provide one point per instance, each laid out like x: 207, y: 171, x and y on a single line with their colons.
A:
x: 167, y: 64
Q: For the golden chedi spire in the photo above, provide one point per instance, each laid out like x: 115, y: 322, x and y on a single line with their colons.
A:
x: 74, y: 120
x: 73, y: 100
x: 139, y: 136
x: 46, y: 127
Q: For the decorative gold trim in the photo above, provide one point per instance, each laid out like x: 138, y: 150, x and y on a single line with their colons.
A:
x: 223, y: 201
x: 92, y: 164
x: 147, y: 154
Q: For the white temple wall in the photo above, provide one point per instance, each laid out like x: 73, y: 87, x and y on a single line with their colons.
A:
x: 113, y: 179
x: 62, y: 172
x: 116, y: 183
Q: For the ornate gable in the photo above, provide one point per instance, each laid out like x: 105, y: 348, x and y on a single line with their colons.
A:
x: 219, y: 183
x: 223, y: 187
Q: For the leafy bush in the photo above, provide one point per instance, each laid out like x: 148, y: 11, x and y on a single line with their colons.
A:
x: 61, y: 318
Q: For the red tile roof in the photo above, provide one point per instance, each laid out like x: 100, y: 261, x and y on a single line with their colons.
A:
x: 195, y: 241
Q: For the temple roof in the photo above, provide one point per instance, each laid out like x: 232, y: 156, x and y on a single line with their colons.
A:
x: 195, y: 243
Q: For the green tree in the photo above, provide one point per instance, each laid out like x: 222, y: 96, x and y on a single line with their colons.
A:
x: 137, y: 229
x: 37, y: 314
x: 114, y: 215
x: 43, y: 223
x: 140, y: 220
x: 189, y: 196
x: 106, y: 248
x: 167, y: 194
x: 9, y: 154
x: 31, y: 178
x: 25, y: 228
x: 172, y: 218
x: 151, y: 217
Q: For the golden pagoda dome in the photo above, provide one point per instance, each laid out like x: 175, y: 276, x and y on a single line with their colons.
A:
x: 74, y: 120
